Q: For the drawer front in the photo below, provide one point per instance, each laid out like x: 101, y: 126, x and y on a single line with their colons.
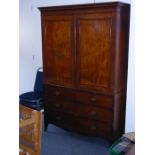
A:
x: 80, y: 110
x: 93, y: 127
x: 81, y: 125
x: 58, y: 93
x: 83, y: 97
x: 104, y: 101
x: 95, y: 113
x: 59, y: 118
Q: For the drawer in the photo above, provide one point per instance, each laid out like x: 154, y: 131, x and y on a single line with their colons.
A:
x: 93, y: 127
x: 105, y: 101
x: 59, y: 118
x: 64, y: 106
x: 81, y: 125
x: 80, y: 110
x: 95, y: 113
x: 51, y: 92
x: 83, y: 97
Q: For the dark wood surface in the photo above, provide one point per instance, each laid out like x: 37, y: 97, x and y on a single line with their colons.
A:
x: 58, y: 55
x: 85, y: 60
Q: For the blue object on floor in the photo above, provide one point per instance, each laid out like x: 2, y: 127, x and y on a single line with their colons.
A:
x: 34, y: 99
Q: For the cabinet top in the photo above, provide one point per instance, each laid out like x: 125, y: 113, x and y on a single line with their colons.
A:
x: 85, y: 6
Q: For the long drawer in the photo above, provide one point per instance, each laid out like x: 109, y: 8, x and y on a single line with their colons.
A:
x: 87, y: 111
x: 60, y: 118
x: 83, y: 97
x: 81, y: 125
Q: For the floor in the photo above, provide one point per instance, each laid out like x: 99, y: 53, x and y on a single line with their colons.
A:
x: 56, y: 141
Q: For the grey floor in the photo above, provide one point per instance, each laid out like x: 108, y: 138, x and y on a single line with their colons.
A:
x: 56, y: 141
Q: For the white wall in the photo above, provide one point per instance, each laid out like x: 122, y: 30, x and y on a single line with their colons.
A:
x: 130, y: 108
x: 126, y: 1
x: 26, y: 47
x: 30, y: 49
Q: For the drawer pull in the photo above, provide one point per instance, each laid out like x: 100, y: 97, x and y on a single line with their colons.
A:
x: 93, y: 99
x: 93, y: 127
x: 57, y: 92
x: 93, y: 113
x: 58, y: 118
x: 57, y: 105
x: 75, y: 115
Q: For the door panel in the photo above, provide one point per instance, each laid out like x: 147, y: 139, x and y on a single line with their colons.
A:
x: 94, y: 43
x: 58, y: 53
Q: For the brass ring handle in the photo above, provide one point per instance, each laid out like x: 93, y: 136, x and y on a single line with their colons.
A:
x: 93, y: 127
x: 57, y: 105
x: 57, y: 92
x: 93, y: 99
x: 93, y: 113
x: 58, y: 118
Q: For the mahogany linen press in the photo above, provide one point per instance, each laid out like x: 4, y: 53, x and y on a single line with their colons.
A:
x: 85, y: 61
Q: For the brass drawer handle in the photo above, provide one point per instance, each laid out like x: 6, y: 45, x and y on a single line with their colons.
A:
x: 58, y: 118
x: 93, y: 99
x: 93, y: 127
x: 93, y: 113
x: 75, y: 115
x: 57, y: 92
x: 57, y: 105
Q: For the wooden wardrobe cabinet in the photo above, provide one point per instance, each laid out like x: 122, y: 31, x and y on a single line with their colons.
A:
x: 85, y: 58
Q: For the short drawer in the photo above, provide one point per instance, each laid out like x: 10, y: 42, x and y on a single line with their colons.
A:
x: 93, y: 127
x: 65, y: 106
x: 105, y: 101
x: 59, y: 118
x: 95, y: 113
x: 51, y: 92
x: 80, y: 110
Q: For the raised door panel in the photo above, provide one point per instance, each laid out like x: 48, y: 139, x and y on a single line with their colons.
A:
x: 94, y: 47
x: 58, y: 50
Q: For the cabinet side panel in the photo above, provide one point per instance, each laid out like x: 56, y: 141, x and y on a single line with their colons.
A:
x: 119, y: 114
x: 121, y: 49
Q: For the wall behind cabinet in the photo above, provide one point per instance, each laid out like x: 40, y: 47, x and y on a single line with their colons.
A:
x: 30, y: 48
x: 126, y: 1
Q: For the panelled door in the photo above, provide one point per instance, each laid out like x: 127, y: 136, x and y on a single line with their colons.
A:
x: 58, y: 47
x: 94, y: 33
